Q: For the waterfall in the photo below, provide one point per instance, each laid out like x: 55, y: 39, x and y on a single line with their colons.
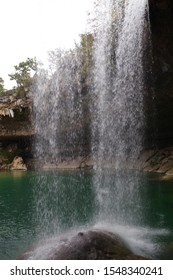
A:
x: 119, y: 123
x: 58, y: 109
x: 58, y: 112
x: 116, y: 98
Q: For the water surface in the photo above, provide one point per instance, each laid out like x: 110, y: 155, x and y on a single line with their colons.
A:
x: 34, y: 205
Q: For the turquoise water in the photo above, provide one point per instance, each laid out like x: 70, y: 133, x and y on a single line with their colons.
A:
x: 34, y: 205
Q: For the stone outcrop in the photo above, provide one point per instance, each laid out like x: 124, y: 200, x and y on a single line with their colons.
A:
x: 86, y: 245
x: 9, y: 103
x: 77, y: 163
x: 17, y: 164
x: 158, y: 161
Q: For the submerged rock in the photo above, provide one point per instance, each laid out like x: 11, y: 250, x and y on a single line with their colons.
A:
x: 85, y: 245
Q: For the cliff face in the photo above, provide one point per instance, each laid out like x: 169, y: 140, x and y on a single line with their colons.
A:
x: 161, y: 20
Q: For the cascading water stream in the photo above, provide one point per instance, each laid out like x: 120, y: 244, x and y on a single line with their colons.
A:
x: 58, y: 113
x: 58, y: 107
x: 120, y: 120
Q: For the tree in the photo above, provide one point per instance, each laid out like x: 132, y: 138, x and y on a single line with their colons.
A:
x: 1, y: 86
x: 86, y: 57
x: 23, y: 75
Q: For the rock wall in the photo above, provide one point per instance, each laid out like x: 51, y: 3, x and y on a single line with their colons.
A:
x: 161, y: 82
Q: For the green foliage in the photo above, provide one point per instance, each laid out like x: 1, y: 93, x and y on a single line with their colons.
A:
x: 86, y: 53
x: 2, y: 90
x: 23, y: 75
x: 85, y: 56
x: 75, y: 62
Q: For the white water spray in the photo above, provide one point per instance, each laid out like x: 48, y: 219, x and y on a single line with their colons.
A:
x: 120, y: 120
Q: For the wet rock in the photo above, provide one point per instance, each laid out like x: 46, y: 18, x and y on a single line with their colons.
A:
x: 17, y: 164
x: 165, y: 167
x: 144, y: 158
x: 169, y: 172
x: 86, y: 163
x: 159, y: 161
x: 77, y: 163
x: 66, y: 164
x: 85, y: 245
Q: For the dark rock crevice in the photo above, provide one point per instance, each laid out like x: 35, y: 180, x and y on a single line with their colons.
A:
x: 161, y: 22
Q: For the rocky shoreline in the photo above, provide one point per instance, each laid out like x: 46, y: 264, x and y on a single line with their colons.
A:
x: 158, y: 161
x: 153, y: 161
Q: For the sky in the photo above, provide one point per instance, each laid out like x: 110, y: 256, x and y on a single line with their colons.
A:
x: 31, y: 28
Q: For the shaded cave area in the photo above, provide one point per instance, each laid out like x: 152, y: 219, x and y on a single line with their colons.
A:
x: 16, y: 131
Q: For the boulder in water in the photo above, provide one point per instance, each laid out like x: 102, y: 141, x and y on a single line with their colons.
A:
x: 17, y: 164
x: 85, y: 245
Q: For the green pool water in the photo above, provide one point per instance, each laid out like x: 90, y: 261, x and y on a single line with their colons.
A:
x: 35, y: 205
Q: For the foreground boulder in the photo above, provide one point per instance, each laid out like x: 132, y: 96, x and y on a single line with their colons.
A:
x: 85, y: 245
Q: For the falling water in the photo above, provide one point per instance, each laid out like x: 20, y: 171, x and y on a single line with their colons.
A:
x: 60, y: 136
x: 58, y: 108
x: 116, y: 109
x: 118, y: 128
